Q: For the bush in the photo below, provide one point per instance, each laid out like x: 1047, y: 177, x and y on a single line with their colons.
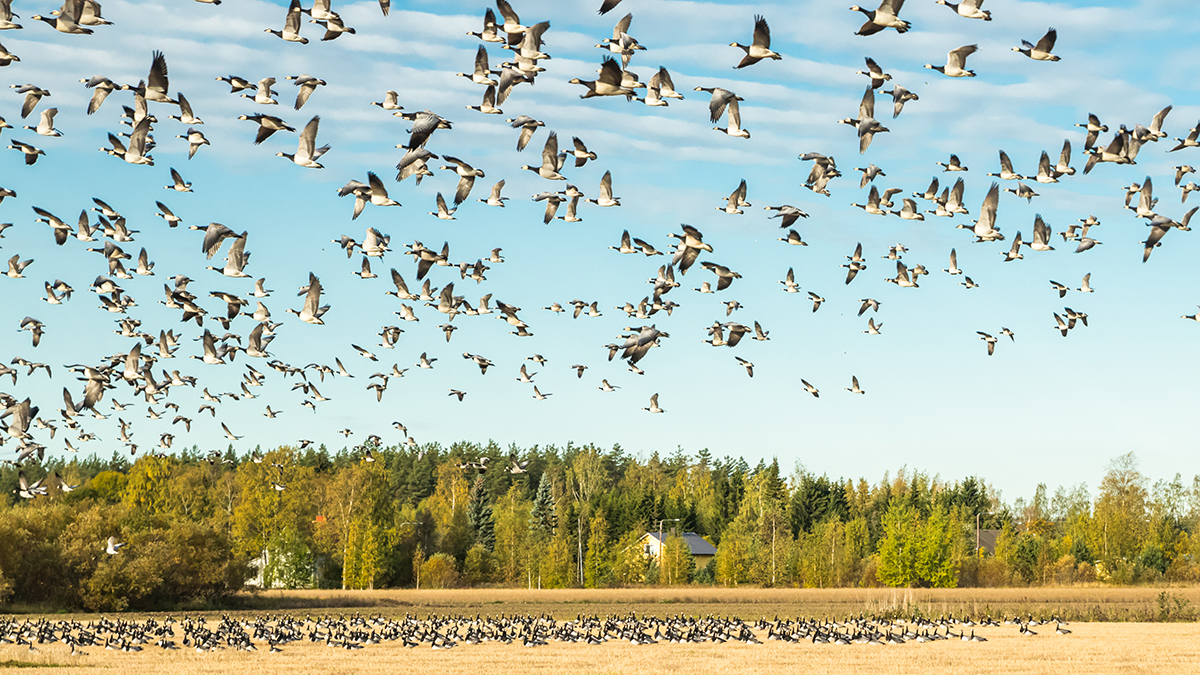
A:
x: 439, y: 571
x: 480, y: 565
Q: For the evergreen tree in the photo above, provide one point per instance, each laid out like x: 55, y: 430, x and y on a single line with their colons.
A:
x: 479, y: 515
x: 544, y: 517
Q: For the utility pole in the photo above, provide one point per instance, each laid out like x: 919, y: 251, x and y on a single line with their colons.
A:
x: 976, y: 534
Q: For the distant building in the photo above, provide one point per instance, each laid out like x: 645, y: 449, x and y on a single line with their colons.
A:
x: 701, y: 550
x: 987, y: 540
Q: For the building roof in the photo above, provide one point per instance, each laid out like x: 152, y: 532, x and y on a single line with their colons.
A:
x: 696, y: 544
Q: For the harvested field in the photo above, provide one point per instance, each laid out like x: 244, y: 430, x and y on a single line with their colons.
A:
x: 1072, y: 603
x: 1091, y: 648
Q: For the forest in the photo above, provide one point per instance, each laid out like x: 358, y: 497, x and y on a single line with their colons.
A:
x: 199, y: 527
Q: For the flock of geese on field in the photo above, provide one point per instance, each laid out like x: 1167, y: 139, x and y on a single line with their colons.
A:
x: 274, y: 633
x: 141, y: 370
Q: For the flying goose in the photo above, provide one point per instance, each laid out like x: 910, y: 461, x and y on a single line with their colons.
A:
x: 1023, y: 190
x: 6, y: 16
x: 307, y: 85
x: 482, y: 73
x: 608, y: 83
x: 882, y: 18
x: 902, y: 277
x: 307, y: 153
x: 1190, y: 142
x: 760, y: 48
x: 900, y: 96
x: 550, y: 163
x: 956, y: 59
x: 466, y: 177
x: 854, y: 388
x: 654, y: 405
x: 391, y: 101
x: 291, y: 25
x: 527, y: 125
x: 872, y: 328
x: 734, y: 127
x: 866, y: 124
x: 1006, y: 170
x: 969, y: 9
x: 442, y: 212
x: 66, y: 19
x: 606, y: 193
x: 489, y: 32
x: 718, y: 102
x: 735, y: 200
x: 873, y: 71
x: 31, y: 153
x: 178, y: 184
x: 185, y: 116
x: 1040, y: 51
x: 1041, y: 235
x: 114, y: 547
x: 488, y: 106
x: 45, y: 125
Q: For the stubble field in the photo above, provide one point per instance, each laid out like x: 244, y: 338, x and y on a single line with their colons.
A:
x: 1123, y: 646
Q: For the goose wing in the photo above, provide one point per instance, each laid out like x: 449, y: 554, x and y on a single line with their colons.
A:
x: 550, y: 152
x: 308, y: 137
x: 866, y: 108
x: 158, y: 73
x: 1046, y: 44
x: 958, y: 57
x: 762, y: 33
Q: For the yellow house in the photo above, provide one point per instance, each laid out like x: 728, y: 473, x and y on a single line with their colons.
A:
x: 701, y: 550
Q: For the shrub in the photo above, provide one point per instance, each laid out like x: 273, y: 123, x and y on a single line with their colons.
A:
x: 439, y: 571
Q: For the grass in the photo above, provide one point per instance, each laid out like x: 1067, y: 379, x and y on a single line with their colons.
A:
x: 1092, y: 648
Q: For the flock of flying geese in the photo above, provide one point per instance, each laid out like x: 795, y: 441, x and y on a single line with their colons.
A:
x: 277, y: 632
x: 141, y: 368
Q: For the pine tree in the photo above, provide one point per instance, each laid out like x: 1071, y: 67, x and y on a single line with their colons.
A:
x: 479, y: 514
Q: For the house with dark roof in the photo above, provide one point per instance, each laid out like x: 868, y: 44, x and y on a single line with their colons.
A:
x: 701, y: 550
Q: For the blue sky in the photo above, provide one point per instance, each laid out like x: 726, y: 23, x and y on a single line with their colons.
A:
x: 1043, y: 409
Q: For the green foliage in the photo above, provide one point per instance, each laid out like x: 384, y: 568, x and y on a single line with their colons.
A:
x: 576, y: 518
x: 899, y: 549
x: 480, y: 566
x: 289, y: 561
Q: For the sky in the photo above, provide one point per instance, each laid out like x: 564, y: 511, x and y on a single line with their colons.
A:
x: 1044, y: 408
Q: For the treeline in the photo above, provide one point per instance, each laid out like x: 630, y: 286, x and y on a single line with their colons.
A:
x: 200, y: 526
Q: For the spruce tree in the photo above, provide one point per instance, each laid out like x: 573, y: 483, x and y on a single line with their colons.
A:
x: 544, y: 517
x: 479, y: 515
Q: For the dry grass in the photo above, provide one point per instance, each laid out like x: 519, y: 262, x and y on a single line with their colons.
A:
x: 1092, y: 648
x: 1072, y: 603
